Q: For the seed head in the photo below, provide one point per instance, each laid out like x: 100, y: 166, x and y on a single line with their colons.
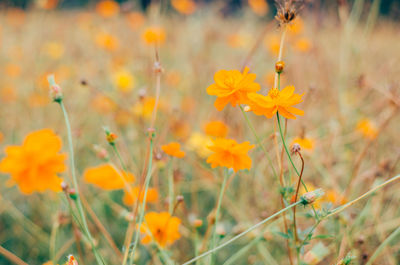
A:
x: 287, y: 10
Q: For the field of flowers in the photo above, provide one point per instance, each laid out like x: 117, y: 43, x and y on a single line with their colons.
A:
x: 185, y: 134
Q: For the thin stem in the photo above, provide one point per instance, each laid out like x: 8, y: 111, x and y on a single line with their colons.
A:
x: 76, y: 186
x: 53, y: 241
x: 295, y: 198
x: 241, y: 234
x: 170, y: 186
x: 381, y: 247
x: 11, y: 256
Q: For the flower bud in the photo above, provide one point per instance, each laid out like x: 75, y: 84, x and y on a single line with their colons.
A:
x: 295, y: 148
x: 55, y: 90
x: 72, y: 194
x: 279, y: 66
x: 311, y: 196
x: 72, y: 260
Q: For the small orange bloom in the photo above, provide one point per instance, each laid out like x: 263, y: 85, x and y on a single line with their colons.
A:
x: 303, y: 45
x: 107, y: 8
x: 228, y: 153
x: 135, y: 20
x: 34, y: 165
x: 1, y: 137
x: 173, y: 149
x: 154, y: 35
x: 47, y: 4
x: 107, y: 41
x: 185, y: 7
x: 276, y: 101
x: 260, y: 7
x: 216, y: 129
x: 367, y: 128
x: 106, y: 177
x: 305, y: 143
x: 160, y: 227
x: 232, y: 87
x: 130, y: 198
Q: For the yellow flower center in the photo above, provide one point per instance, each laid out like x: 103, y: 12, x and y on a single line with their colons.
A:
x: 274, y: 93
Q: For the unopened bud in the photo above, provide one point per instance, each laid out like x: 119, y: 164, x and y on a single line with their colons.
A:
x: 55, y: 90
x: 279, y: 66
x: 157, y: 67
x: 311, y: 196
x: 100, y: 152
x: 64, y: 186
x: 72, y: 194
x: 197, y: 222
x: 72, y: 260
x: 179, y: 198
x: 295, y: 148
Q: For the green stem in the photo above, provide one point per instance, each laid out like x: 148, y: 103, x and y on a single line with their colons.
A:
x: 171, y: 186
x: 221, y: 195
x: 241, y: 234
x: 142, y: 209
x: 76, y: 187
x: 119, y: 157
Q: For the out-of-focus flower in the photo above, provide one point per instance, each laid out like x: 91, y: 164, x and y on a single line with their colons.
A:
x: 305, y: 143
x: 367, y: 128
x: 296, y: 26
x: 334, y: 197
x: 107, y: 8
x: 107, y: 41
x: 1, y: 137
x: 232, y: 87
x: 71, y: 260
x: 276, y: 101
x: 123, y: 117
x: 145, y: 107
x: 180, y: 129
x: 228, y: 153
x: 8, y: 94
x: 237, y: 40
x: 272, y: 43
x: 160, y: 227
x: 303, y: 45
x: 47, y: 4
x: 154, y: 35
x: 172, y: 78
x: 37, y: 99
x: 106, y: 177
x: 12, y: 70
x: 16, y: 17
x: 103, y: 104
x: 216, y: 129
x: 54, y: 50
x: 173, y: 149
x: 259, y: 7
x: 124, y: 80
x: 198, y: 143
x: 131, y: 197
x: 135, y: 20
x: 185, y: 7
x: 34, y: 165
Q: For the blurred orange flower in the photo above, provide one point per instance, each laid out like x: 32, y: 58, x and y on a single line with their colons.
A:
x: 173, y: 149
x: 185, y: 7
x: 303, y: 45
x: 272, y: 43
x: 305, y: 143
x: 260, y: 7
x: 12, y: 70
x: 103, y: 104
x: 367, y: 128
x: 161, y: 227
x: 124, y: 80
x: 154, y: 35
x: 34, y: 165
x: 135, y: 20
x: 144, y: 108
x: 1, y: 137
x: 232, y: 87
x: 228, y: 153
x: 276, y: 101
x: 216, y: 129
x: 47, y: 4
x: 106, y: 177
x: 8, y: 94
x: 107, y: 8
x: 131, y: 197
x: 107, y: 41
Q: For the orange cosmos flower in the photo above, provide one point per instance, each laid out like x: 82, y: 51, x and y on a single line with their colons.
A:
x: 228, y: 153
x: 173, y: 149
x: 216, y: 129
x: 276, y: 101
x: 34, y: 165
x: 154, y: 35
x: 160, y: 227
x: 305, y: 143
x: 367, y: 128
x: 106, y: 177
x: 185, y: 7
x: 232, y: 87
x: 131, y: 197
x: 107, y: 8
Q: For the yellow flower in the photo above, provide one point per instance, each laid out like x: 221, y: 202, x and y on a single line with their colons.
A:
x: 185, y: 7
x: 173, y: 149
x: 160, y: 227
x: 260, y: 7
x: 305, y: 143
x: 198, y: 143
x: 34, y: 165
x: 105, y: 176
x: 232, y: 87
x: 367, y: 128
x: 154, y: 35
x: 124, y: 80
x: 107, y: 41
x: 145, y: 107
x: 130, y: 198
x: 276, y: 101
x: 216, y: 129
x: 228, y: 153
x: 303, y: 45
x: 107, y: 8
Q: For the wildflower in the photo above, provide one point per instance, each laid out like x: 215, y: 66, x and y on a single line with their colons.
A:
x: 312, y: 196
x: 107, y: 8
x: 107, y: 41
x: 367, y: 128
x: 55, y: 89
x: 232, y: 87
x: 124, y: 80
x: 334, y: 197
x: 272, y: 44
x: 305, y: 143
x: 287, y: 11
x: 228, y: 153
x: 72, y: 260
x: 279, y: 66
x: 302, y: 45
x: 276, y: 101
x: 106, y: 177
x: 185, y: 7
x: 216, y: 129
x: 54, y: 50
x: 132, y: 196
x: 160, y: 227
x: 47, y: 4
x: 259, y: 7
x: 135, y: 20
x: 145, y: 107
x: 34, y: 165
x: 154, y: 35
x: 173, y: 149
x: 198, y: 143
